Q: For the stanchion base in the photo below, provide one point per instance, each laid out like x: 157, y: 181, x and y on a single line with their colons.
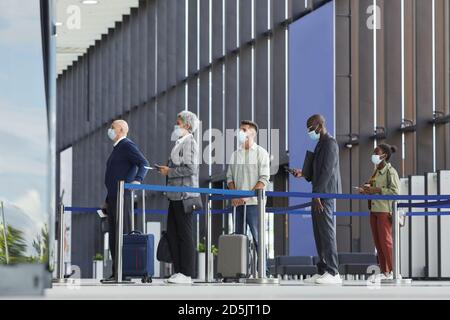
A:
x: 64, y: 280
x: 262, y: 281
x: 397, y: 281
x: 117, y: 282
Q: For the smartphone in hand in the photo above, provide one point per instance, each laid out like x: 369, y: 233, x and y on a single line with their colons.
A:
x: 289, y: 170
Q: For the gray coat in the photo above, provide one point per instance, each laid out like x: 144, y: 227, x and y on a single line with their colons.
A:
x: 326, y: 173
x: 184, y: 167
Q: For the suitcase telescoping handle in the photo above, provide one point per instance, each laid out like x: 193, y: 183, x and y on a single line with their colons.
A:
x: 245, y: 218
x: 135, y: 232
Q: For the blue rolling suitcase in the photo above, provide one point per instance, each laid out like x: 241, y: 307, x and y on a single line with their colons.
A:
x: 138, y: 255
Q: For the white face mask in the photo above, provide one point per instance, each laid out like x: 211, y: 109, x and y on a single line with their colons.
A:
x: 112, y: 134
x: 313, y: 135
x: 177, y: 132
x: 376, y: 159
x: 242, y: 137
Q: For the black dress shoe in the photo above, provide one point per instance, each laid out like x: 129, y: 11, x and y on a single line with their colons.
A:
x: 110, y: 279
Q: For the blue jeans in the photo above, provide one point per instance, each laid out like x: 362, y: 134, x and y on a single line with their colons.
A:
x: 252, y: 222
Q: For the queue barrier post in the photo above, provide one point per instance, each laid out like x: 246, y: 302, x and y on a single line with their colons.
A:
x: 60, y: 254
x: 119, y: 235
x: 144, y: 226
x: 132, y: 211
x: 397, y: 278
x: 209, y: 276
x: 262, y: 277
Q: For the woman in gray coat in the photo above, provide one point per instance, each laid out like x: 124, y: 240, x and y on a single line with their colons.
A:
x: 182, y: 171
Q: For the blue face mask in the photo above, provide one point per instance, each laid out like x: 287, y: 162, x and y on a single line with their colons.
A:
x: 313, y: 135
x: 112, y: 134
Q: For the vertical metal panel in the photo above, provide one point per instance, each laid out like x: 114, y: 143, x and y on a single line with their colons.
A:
x: 417, y: 231
x: 261, y: 16
x: 134, y: 58
x: 300, y: 7
x: 444, y: 226
x: 59, y: 108
x: 442, y: 87
x: 217, y: 28
x: 85, y: 97
x: 151, y: 54
x: 192, y: 36
x: 204, y: 117
x: 231, y: 114
x: 180, y: 9
x: 380, y: 63
x: 343, y: 118
x: 424, y: 90
x: 143, y: 39
x: 245, y: 21
x: 355, y: 115
x: 119, y: 68
x: 162, y: 45
x: 245, y: 84
x: 217, y: 112
x: 171, y: 111
x: 126, y: 60
x: 278, y: 11
x: 279, y: 88
x: 410, y: 162
x: 431, y: 223
x: 447, y: 80
x: 204, y: 33
x: 78, y: 108
x: 93, y: 87
x: 404, y: 235
x: 366, y: 111
x: 393, y: 76
x: 108, y: 107
x: 104, y: 60
x: 171, y: 26
x: 261, y: 75
x: 71, y: 106
x: 231, y: 24
x: 144, y: 126
x: 162, y: 133
x: 192, y: 95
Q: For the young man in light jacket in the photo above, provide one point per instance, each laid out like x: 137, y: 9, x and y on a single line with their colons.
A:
x: 249, y: 169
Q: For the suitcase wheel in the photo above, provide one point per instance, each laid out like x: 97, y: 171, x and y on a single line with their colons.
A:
x: 146, y: 279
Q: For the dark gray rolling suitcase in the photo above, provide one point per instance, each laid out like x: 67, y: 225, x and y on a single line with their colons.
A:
x: 232, y: 261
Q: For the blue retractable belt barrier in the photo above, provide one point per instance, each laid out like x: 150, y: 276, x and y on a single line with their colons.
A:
x: 237, y: 193
x: 437, y: 201
x: 433, y: 204
x: 356, y: 196
x: 290, y: 211
x: 80, y: 209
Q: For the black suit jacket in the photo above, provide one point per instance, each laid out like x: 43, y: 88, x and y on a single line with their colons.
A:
x: 326, y: 172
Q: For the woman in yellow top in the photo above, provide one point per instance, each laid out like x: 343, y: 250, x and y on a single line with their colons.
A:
x: 384, y: 181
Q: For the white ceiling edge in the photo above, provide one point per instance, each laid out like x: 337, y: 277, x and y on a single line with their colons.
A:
x: 95, y: 20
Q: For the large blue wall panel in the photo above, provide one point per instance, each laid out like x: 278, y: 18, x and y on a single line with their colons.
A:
x: 311, y: 91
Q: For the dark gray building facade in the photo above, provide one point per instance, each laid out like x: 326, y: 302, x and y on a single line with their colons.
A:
x: 226, y: 60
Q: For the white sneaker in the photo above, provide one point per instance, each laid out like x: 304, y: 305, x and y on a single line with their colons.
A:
x: 180, y: 279
x: 175, y: 275
x: 329, y: 279
x: 313, y: 279
x: 377, y: 278
x: 389, y: 276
